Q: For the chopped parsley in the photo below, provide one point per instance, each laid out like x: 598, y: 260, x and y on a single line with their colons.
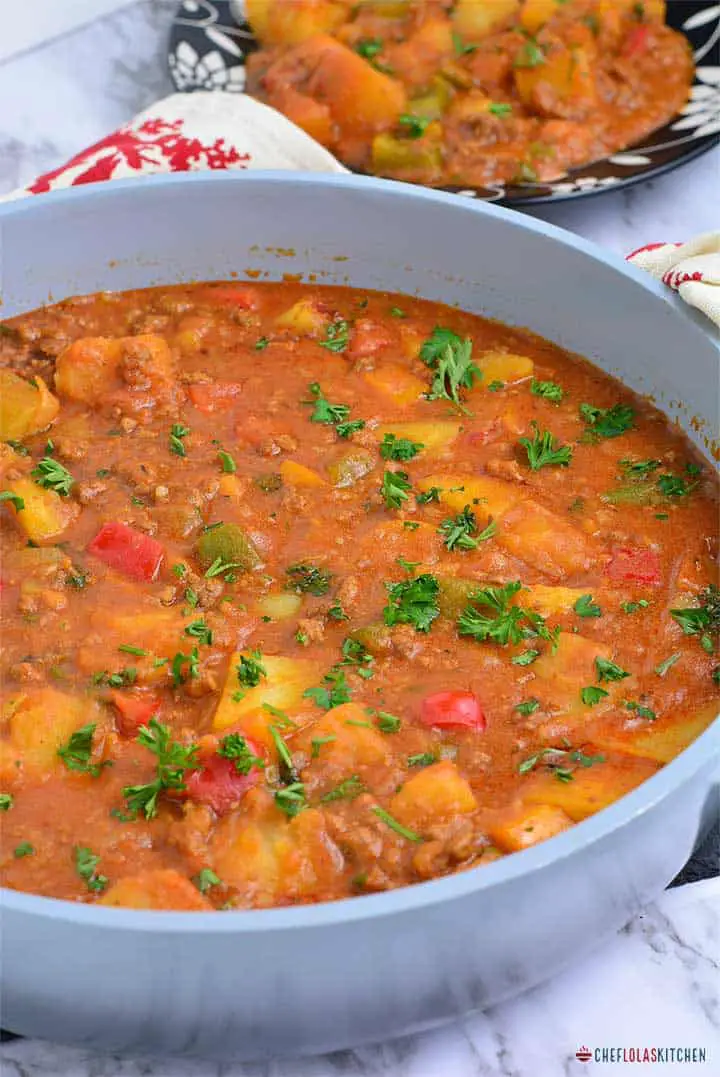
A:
x: 633, y: 607
x: 337, y: 613
x: 638, y: 469
x: 306, y: 578
x: 332, y: 693
x: 388, y: 723
x: 235, y: 747
x: 592, y: 695
x: 667, y: 664
x: 368, y: 47
x: 6, y: 801
x: 458, y: 531
x: 86, y: 863
x: 607, y: 422
x: 433, y: 494
x: 557, y: 760
x: 128, y: 648
x: 51, y: 475
x: 413, y: 602
x: 250, y: 670
x: 503, y: 623
x: 585, y: 607
x: 395, y: 488
x: 323, y: 411
x: 549, y: 390
x: 344, y: 430
x: 206, y: 878
x: 220, y: 567
x: 394, y: 448
x: 178, y: 433
x: 500, y: 108
x: 200, y: 631
x: 261, y: 344
x: 337, y: 336
x: 528, y: 707
x: 702, y: 620
x: 461, y: 49
x: 526, y: 658
x: 13, y: 499
x: 415, y: 126
x: 450, y: 359
x: 173, y: 760
x: 544, y: 451
x: 317, y: 743
x: 347, y: 790
x: 386, y: 818
x: 185, y: 667
x: 25, y: 848
x: 640, y: 710
x: 608, y: 671
x: 530, y: 55
x: 291, y: 799
x: 76, y: 753
x: 228, y: 465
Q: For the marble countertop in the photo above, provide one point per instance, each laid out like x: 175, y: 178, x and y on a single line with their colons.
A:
x: 658, y: 983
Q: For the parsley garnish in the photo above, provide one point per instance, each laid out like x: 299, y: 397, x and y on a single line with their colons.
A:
x: 451, y: 360
x: 323, y: 411
x: 306, y: 578
x: 461, y: 49
x: 403, y: 831
x: 178, y: 667
x: 702, y: 620
x: 549, y: 390
x: 395, y: 488
x: 500, y: 108
x: 86, y: 863
x: 337, y: 336
x: 76, y: 753
x: 504, y: 623
x: 608, y: 671
x: 433, y: 494
x: 337, y: 613
x: 592, y: 695
x: 633, y: 607
x: 394, y: 448
x: 639, y: 709
x: 607, y: 422
x: 388, y: 723
x: 347, y: 790
x: 25, y: 848
x: 6, y: 801
x: 219, y: 567
x: 173, y: 760
x: 14, y: 499
x: 413, y: 602
x: 317, y: 743
x: 250, y: 670
x: 530, y: 55
x: 585, y: 607
x: 138, y: 652
x: 261, y: 344
x: 667, y: 664
x: 53, y: 476
x: 638, y: 469
x: 336, y: 692
x: 554, y: 757
x: 543, y: 450
x: 235, y: 747
x: 415, y: 126
x: 459, y: 530
x: 206, y: 878
x: 177, y: 433
x: 675, y: 486
x: 368, y: 47
x: 200, y: 631
x: 421, y: 759
x: 344, y: 430
x: 228, y: 464
x: 291, y: 799
x: 528, y: 707
x: 526, y: 658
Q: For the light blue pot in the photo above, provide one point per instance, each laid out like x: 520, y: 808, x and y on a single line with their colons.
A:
x: 301, y: 980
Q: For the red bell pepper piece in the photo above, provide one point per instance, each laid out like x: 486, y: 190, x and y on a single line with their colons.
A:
x: 128, y: 550
x: 453, y: 710
x: 135, y: 709
x: 635, y: 564
x: 219, y: 783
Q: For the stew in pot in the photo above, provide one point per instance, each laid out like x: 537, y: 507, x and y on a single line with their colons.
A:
x: 311, y: 592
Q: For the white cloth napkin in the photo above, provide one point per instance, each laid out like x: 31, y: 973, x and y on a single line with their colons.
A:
x: 216, y: 130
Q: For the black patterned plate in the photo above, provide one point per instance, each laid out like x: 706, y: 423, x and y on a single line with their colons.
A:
x: 210, y: 39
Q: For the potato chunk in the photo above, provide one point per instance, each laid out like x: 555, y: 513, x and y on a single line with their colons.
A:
x: 435, y: 437
x: 493, y: 496
x: 299, y: 475
x: 543, y: 539
x: 473, y: 19
x: 277, y: 22
x: 161, y: 889
x: 504, y: 367
x: 590, y: 788
x: 92, y: 368
x: 39, y: 723
x: 396, y: 383
x: 524, y: 825
x: 667, y: 737
x: 44, y: 515
x: 436, y: 794
x: 352, y: 746
x: 283, y: 686
x: 24, y: 408
x: 304, y: 319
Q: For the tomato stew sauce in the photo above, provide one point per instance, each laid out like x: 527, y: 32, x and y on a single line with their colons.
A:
x: 311, y: 592
x: 470, y: 92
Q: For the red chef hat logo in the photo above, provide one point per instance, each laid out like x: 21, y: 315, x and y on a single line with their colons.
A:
x: 584, y: 1054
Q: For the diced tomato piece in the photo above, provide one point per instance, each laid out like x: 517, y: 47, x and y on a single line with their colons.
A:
x: 219, y: 783
x: 214, y: 396
x: 368, y: 338
x: 636, y: 41
x: 635, y: 564
x: 135, y: 709
x: 128, y: 550
x: 232, y: 295
x: 453, y: 710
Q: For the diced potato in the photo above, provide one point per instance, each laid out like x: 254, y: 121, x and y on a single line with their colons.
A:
x: 280, y: 606
x: 361, y: 98
x: 271, y: 859
x: 662, y: 741
x: 547, y: 541
x: 163, y: 888
x: 24, y: 408
x: 493, y: 496
x: 570, y: 668
x: 436, y: 794
x: 42, y: 720
x: 45, y: 515
x: 504, y: 367
x: 473, y: 19
x: 157, y: 631
x: 591, y: 788
x: 549, y: 601
x: 314, y: 117
x: 277, y: 22
x: 352, y: 745
x: 411, y: 341
x: 396, y: 382
x: 283, y: 687
x: 298, y: 475
x: 231, y: 486
x: 565, y: 76
x: 304, y: 318
x: 535, y: 13
x: 524, y: 825
x: 435, y: 437
x: 88, y: 369
x: 351, y: 466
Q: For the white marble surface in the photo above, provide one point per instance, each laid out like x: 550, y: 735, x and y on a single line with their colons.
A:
x: 658, y: 983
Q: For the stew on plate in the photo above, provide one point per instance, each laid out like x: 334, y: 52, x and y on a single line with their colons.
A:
x: 311, y: 592
x: 470, y: 92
